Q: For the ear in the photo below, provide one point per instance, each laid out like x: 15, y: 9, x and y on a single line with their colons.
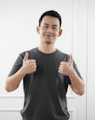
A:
x: 37, y: 29
x: 60, y: 32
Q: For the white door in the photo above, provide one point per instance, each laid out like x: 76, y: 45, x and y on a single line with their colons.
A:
x: 18, y: 20
x: 91, y: 60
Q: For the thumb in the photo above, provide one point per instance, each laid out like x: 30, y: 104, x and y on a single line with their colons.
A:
x: 26, y: 56
x: 70, y: 59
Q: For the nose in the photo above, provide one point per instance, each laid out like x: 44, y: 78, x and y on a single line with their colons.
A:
x: 49, y: 29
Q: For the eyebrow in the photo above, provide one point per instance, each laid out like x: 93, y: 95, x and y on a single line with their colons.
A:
x: 48, y: 24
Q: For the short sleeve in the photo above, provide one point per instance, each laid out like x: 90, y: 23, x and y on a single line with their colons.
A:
x: 76, y: 69
x: 16, y: 66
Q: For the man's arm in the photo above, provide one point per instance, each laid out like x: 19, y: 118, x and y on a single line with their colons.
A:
x: 13, y: 81
x: 77, y: 84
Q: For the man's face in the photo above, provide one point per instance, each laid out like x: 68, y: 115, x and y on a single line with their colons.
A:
x: 49, y: 29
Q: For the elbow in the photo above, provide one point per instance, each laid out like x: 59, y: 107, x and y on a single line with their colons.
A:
x: 7, y: 88
x: 7, y: 85
x: 82, y: 89
x: 81, y: 92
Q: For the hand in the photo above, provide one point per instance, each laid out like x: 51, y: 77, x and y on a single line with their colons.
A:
x: 29, y: 65
x: 65, y: 68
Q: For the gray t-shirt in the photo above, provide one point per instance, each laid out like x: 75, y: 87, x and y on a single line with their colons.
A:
x: 45, y: 90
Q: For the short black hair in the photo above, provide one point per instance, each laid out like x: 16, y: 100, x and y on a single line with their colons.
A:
x: 51, y: 13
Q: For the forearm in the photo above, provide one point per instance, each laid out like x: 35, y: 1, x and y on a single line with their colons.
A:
x: 77, y: 84
x: 13, y: 81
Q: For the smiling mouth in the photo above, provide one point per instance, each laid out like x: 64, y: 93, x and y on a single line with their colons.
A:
x: 48, y: 36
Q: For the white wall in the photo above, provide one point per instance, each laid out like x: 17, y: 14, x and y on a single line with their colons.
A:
x: 18, y: 21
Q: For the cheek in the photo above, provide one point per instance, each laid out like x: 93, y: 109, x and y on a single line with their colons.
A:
x: 40, y: 33
x: 56, y: 33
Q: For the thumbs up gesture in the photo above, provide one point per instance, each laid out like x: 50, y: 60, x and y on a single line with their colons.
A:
x: 66, y: 67
x: 29, y: 65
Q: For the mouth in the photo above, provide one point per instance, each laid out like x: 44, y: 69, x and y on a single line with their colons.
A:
x: 49, y: 36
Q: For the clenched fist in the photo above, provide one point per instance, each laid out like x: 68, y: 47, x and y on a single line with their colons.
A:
x: 29, y: 65
x: 66, y: 67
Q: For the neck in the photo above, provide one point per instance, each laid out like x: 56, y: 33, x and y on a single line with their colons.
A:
x: 47, y: 48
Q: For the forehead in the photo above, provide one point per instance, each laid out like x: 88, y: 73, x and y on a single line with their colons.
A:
x: 50, y: 20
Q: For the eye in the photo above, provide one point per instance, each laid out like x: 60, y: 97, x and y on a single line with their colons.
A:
x: 45, y: 26
x: 54, y: 27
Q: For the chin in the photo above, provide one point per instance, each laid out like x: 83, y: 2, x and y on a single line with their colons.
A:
x: 48, y: 41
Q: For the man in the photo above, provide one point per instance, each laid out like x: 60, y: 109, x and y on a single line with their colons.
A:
x: 46, y: 73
